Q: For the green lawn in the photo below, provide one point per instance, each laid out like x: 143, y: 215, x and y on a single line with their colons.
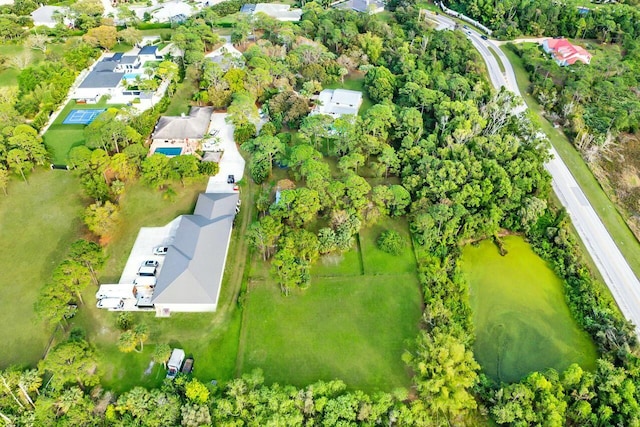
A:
x: 61, y: 138
x: 181, y: 100
x: 380, y: 262
x: 521, y: 317
x: 339, y: 328
x: 39, y: 221
x: 355, y: 81
x: 606, y: 210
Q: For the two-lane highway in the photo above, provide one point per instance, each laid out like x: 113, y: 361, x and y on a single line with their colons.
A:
x: 615, y: 270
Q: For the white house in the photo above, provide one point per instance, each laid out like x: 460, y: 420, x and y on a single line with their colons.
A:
x: 338, y: 102
x: 279, y: 11
x: 44, y: 16
x: 364, y: 6
x: 111, y: 76
x: 173, y: 11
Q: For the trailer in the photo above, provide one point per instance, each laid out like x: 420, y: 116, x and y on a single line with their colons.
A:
x: 175, y: 362
x: 115, y: 291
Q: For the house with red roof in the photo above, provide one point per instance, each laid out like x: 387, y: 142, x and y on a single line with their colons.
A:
x: 566, y: 53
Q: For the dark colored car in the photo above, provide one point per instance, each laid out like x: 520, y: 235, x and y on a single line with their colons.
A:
x: 231, y: 179
x: 188, y: 366
x: 484, y: 37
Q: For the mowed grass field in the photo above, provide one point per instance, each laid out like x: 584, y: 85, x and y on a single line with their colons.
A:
x: 346, y: 325
x: 521, y: 318
x: 38, y: 222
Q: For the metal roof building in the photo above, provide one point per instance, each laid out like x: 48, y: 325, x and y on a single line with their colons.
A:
x: 191, y: 276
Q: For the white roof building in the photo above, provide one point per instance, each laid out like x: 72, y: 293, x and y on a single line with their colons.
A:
x: 279, y: 11
x: 173, y: 11
x: 338, y: 102
x: 43, y: 16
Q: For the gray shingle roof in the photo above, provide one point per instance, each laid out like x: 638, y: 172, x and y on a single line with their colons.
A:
x: 194, y: 265
x: 193, y: 126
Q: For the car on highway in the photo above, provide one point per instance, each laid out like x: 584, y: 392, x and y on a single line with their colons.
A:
x: 483, y: 37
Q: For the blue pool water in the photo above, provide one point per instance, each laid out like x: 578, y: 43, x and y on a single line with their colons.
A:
x: 131, y: 76
x: 169, y: 151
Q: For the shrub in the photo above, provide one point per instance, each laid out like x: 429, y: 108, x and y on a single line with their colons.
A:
x: 391, y: 242
x: 124, y: 321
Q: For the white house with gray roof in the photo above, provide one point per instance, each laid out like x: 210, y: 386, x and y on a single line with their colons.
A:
x: 44, y: 16
x: 338, y: 102
x: 191, y: 276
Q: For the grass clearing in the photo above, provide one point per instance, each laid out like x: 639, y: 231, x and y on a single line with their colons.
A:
x: 606, y: 210
x: 354, y: 330
x: 39, y: 221
x: 521, y: 317
x: 181, y: 100
x: 377, y: 261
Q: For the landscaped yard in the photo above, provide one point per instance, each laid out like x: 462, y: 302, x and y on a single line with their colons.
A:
x: 61, y: 138
x: 38, y: 222
x: 521, y: 317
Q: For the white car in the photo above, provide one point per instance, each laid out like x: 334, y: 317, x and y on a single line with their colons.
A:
x: 115, y: 303
x: 160, y: 250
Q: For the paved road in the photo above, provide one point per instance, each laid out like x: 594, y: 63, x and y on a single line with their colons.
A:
x: 615, y: 270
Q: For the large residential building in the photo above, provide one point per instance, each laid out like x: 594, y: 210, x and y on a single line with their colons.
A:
x: 565, y: 53
x: 338, y: 102
x: 191, y: 276
x: 279, y: 11
x: 113, y: 75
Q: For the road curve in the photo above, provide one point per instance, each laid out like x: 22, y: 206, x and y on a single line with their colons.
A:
x: 615, y: 270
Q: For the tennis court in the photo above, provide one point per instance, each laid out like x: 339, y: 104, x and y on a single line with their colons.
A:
x: 81, y: 117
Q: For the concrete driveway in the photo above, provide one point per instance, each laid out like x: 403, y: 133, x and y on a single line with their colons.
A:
x: 231, y: 163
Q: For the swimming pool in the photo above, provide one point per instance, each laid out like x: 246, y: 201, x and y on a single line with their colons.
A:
x: 131, y: 76
x: 169, y: 151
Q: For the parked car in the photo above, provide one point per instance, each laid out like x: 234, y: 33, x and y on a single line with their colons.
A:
x: 160, y: 250
x: 115, y: 303
x: 147, y: 271
x: 151, y: 263
x: 231, y: 179
x: 188, y: 366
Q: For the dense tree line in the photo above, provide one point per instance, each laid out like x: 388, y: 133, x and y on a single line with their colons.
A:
x: 511, y: 18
